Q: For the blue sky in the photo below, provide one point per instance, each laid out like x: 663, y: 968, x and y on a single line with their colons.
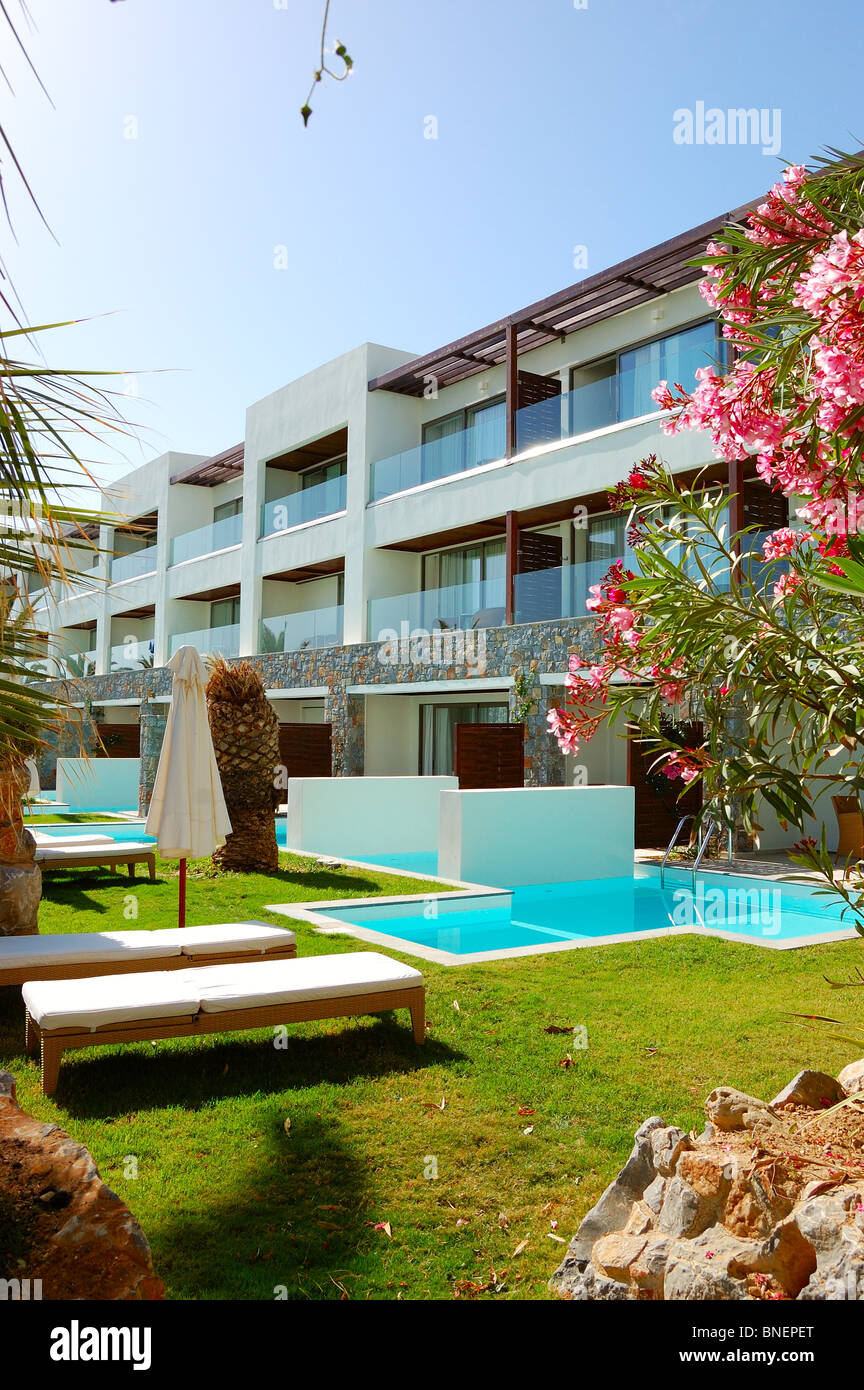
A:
x: 555, y: 130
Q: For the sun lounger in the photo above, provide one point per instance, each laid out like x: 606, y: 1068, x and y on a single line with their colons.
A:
x: 215, y: 999
x: 79, y: 955
x: 112, y: 854
x: 61, y: 841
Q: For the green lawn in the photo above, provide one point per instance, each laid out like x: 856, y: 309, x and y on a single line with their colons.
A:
x: 235, y: 1203
x: 70, y: 818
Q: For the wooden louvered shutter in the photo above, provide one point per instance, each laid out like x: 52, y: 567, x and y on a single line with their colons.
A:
x: 306, y: 749
x: 490, y: 755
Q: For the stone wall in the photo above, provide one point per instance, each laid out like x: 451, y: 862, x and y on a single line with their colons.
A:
x: 528, y: 650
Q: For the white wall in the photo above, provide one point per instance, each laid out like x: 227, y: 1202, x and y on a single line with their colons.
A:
x: 365, y: 815
x: 392, y: 736
x: 536, y: 835
x: 94, y: 782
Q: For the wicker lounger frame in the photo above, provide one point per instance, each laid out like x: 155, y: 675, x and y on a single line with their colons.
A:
x: 84, y: 969
x: 53, y: 1043
x: 106, y: 857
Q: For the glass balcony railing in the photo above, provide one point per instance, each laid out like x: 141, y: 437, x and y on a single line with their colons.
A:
x: 296, y: 632
x: 613, y: 399
x: 483, y: 442
x: 219, y: 535
x: 309, y: 504
x: 209, y: 640
x: 459, y: 606
x: 136, y: 563
x: 74, y: 664
x: 132, y: 656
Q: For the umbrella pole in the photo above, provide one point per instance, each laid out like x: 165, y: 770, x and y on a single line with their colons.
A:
x: 182, y: 901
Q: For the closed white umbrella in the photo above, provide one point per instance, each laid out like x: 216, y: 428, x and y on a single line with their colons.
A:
x: 187, y: 812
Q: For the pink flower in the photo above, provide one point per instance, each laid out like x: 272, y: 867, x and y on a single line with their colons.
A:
x: 786, y: 585
x: 622, y: 619
x: 780, y: 543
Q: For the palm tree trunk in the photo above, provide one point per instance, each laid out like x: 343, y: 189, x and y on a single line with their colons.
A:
x: 20, y: 875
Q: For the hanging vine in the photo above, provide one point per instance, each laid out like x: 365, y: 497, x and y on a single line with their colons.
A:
x: 322, y: 70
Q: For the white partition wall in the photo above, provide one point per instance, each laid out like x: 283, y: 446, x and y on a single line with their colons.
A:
x: 90, y: 783
x: 536, y: 835
x: 348, y: 816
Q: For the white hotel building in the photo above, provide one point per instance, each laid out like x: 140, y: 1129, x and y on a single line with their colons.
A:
x: 461, y: 493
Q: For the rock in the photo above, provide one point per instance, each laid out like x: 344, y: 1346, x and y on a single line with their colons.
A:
x: 836, y: 1280
x: 581, y: 1284
x: 699, y: 1269
x: 640, y: 1220
x: 654, y: 1193
x: 819, y: 1221
x: 851, y: 1078
x: 752, y: 1209
x: 648, y: 1270
x: 786, y: 1255
x: 611, y: 1212
x: 97, y: 1250
x: 729, y: 1109
x: 613, y: 1255
x: 666, y: 1146
x: 685, y: 1212
x: 815, y: 1089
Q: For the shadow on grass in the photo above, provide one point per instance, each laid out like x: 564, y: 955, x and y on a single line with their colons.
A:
x: 195, y: 1072
x: 73, y: 888
x: 323, y: 882
x: 297, y: 1222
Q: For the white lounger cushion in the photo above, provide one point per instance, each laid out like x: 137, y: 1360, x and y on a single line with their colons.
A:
x: 103, y: 999
x: 226, y: 987
x: 17, y: 952
x: 44, y: 841
x: 113, y: 849
x: 212, y: 941
x: 95, y: 1003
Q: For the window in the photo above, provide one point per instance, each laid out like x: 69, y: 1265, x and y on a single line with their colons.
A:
x: 474, y: 564
x: 465, y: 439
x: 324, y: 473
x: 225, y: 612
x: 619, y: 387
x: 226, y: 509
x: 437, y: 732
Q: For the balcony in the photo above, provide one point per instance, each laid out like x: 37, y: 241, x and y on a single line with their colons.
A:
x: 209, y: 641
x: 132, y: 656
x: 134, y: 565
x: 74, y: 665
x: 205, y: 540
x: 459, y: 606
x: 456, y: 453
x: 612, y: 397
x: 308, y: 504
x: 296, y: 632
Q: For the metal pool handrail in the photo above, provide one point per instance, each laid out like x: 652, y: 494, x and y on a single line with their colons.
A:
x: 705, y: 835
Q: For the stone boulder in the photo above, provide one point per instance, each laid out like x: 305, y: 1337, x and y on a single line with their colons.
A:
x: 851, y: 1078
x: 63, y: 1226
x: 814, y: 1089
x: 748, y: 1209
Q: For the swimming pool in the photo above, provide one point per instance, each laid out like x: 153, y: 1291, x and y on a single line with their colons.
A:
x: 112, y: 830
x: 485, y: 924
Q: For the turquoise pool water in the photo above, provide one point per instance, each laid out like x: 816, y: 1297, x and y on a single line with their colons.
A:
x: 115, y: 831
x: 546, y: 914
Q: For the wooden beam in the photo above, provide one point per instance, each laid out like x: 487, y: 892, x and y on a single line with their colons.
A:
x: 511, y: 373
x: 511, y: 552
x: 736, y: 501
